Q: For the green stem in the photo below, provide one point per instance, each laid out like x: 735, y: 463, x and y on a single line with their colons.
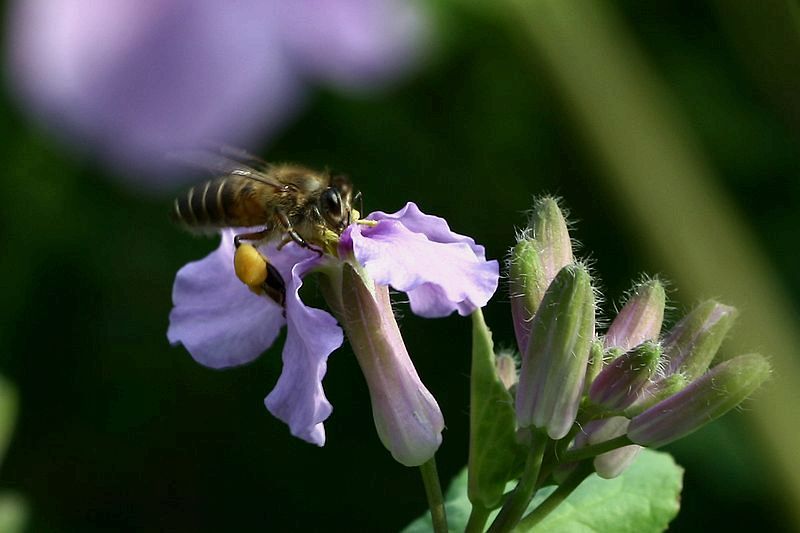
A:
x: 595, y: 449
x: 434, y: 493
x: 477, y: 519
x: 561, y: 446
x: 559, y: 495
x: 515, y: 506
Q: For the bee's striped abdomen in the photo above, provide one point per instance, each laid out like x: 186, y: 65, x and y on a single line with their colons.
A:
x: 204, y: 204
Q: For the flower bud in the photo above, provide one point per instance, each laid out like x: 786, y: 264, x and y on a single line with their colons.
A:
x: 707, y: 398
x: 655, y: 392
x: 554, y: 364
x: 621, y: 381
x: 610, y: 464
x: 506, y: 368
x: 641, y: 317
x: 407, y: 417
x: 691, y: 344
x: 543, y: 248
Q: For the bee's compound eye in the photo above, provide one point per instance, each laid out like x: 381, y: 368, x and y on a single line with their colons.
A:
x: 331, y: 205
x: 250, y: 266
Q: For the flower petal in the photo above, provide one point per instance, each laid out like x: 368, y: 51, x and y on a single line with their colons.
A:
x: 138, y: 78
x: 298, y: 398
x: 216, y: 317
x: 352, y: 42
x: 416, y: 253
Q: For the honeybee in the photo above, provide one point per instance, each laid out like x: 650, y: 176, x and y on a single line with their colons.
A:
x: 291, y: 203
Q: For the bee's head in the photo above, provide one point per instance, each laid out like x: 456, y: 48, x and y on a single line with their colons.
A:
x: 334, y: 203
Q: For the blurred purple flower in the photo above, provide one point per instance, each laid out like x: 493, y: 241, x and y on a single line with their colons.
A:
x: 222, y: 323
x: 132, y: 79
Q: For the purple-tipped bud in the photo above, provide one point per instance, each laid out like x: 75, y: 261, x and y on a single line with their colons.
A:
x: 691, y: 344
x: 621, y: 382
x: 610, y: 464
x: 655, y: 392
x: 641, y: 317
x: 506, y: 367
x: 407, y: 417
x: 707, y: 398
x: 543, y: 248
x: 554, y: 365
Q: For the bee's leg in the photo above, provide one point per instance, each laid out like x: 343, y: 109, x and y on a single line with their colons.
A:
x: 255, y: 236
x: 286, y: 240
x: 292, y: 235
x: 274, y: 286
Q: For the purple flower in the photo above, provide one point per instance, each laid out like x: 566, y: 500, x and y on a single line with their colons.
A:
x: 134, y: 79
x: 222, y: 323
x: 419, y: 255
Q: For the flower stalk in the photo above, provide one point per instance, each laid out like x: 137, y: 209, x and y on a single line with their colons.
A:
x: 433, y: 491
x: 514, y: 508
x: 565, y: 488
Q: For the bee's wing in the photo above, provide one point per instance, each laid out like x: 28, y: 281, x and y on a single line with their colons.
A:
x: 226, y: 161
x: 241, y: 156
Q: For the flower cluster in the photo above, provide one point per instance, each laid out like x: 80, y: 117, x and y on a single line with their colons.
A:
x: 584, y: 398
x: 581, y: 401
x: 222, y: 323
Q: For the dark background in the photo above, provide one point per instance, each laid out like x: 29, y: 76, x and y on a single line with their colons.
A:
x: 117, y: 431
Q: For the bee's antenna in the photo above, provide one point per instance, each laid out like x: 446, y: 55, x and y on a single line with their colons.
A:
x: 360, y: 198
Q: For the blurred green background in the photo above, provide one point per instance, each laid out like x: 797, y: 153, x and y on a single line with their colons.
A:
x: 670, y: 129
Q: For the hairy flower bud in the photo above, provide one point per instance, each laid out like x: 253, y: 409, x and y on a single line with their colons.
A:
x: 710, y: 396
x: 506, y: 368
x: 597, y: 358
x: 641, y: 317
x: 621, y: 381
x: 543, y: 248
x: 655, y: 392
x: 692, y: 343
x: 554, y: 364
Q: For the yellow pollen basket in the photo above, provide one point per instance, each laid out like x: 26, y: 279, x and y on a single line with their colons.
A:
x: 250, y: 266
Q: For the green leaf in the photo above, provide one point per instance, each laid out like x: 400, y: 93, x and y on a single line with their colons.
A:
x: 8, y: 413
x: 493, y: 449
x: 643, y: 499
x: 13, y: 513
